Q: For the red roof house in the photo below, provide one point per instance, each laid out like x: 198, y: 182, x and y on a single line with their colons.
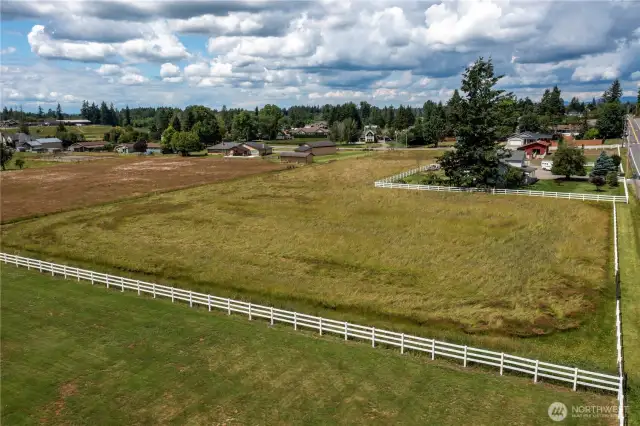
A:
x: 535, y: 149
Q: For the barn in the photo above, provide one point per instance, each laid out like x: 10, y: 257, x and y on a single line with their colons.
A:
x: 537, y: 149
x: 318, y: 148
x: 296, y: 157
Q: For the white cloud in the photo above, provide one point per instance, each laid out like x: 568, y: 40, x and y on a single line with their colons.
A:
x: 133, y: 78
x: 109, y: 69
x: 42, y: 45
x: 157, y: 46
x: 9, y: 50
x: 169, y: 70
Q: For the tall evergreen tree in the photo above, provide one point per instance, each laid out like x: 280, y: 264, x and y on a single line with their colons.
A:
x: 59, y: 115
x: 127, y: 116
x: 40, y: 112
x: 104, y: 113
x: 613, y: 93
x: 476, y: 158
x: 175, y: 122
x: 113, y: 116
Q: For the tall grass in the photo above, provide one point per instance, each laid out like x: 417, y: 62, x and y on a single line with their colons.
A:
x: 467, y: 267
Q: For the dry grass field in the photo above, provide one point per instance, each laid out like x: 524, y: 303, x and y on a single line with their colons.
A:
x: 33, y: 192
x: 321, y: 239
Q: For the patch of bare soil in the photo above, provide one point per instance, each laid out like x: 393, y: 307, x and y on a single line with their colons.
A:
x: 34, y: 192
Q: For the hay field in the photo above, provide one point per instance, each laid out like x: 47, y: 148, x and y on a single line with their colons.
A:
x: 321, y: 239
x: 33, y: 192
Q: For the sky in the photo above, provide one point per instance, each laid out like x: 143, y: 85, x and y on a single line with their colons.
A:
x: 251, y: 53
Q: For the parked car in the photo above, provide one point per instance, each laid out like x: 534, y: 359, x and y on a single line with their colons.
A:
x: 547, y: 165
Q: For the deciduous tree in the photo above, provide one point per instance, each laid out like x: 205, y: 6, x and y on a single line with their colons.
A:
x: 568, y: 161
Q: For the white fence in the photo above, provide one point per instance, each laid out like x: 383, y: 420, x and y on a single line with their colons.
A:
x: 619, y: 347
x: 390, y: 182
x: 501, y: 361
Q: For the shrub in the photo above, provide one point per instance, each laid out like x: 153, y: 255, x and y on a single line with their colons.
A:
x: 612, y: 179
x: 597, y: 180
x: 20, y: 163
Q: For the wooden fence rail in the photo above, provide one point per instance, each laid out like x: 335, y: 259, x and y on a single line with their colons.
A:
x: 538, y: 370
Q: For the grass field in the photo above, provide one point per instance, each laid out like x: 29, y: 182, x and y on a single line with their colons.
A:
x: 342, y: 155
x: 31, y: 161
x: 76, y: 354
x: 35, y: 192
x: 629, y: 246
x: 575, y: 186
x: 463, y: 267
x: 91, y: 133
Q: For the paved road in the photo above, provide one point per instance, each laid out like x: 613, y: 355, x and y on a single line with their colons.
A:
x: 633, y: 140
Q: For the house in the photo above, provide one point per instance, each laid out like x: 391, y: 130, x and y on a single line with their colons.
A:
x: 153, y: 148
x: 297, y: 157
x: 516, y: 160
x: 517, y: 140
x: 537, y: 149
x: 284, y: 135
x: 579, y: 142
x: 124, y: 148
x: 369, y: 134
x: 73, y: 122
x: 222, y: 148
x: 45, y: 145
x: 87, y: 146
x: 318, y: 148
x: 244, y: 150
x: 264, y: 149
x: 319, y: 129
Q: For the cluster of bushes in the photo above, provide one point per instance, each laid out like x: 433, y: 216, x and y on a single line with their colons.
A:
x: 605, y: 170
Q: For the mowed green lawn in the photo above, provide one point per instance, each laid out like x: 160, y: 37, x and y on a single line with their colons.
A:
x: 575, y: 186
x: 629, y: 244
x: 77, y: 354
x: 91, y: 133
x: 320, y: 239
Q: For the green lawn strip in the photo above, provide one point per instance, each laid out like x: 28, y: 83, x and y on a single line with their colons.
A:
x: 342, y: 155
x: 574, y: 186
x: 31, y: 161
x: 629, y: 248
x: 77, y: 354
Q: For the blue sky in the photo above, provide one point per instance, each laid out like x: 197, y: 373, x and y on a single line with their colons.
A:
x: 250, y: 53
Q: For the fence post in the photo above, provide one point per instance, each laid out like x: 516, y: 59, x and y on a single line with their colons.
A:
x: 39, y: 263
x: 138, y: 282
x: 228, y: 306
x: 535, y: 375
x: 28, y: 264
x: 295, y: 321
x: 191, y: 299
x: 78, y: 274
x: 346, y: 332
x: 107, y: 280
x: 373, y: 337
x: 209, y: 302
x: 171, y: 294
x: 272, y: 315
x: 52, y: 273
x: 122, y: 284
x: 575, y: 379
x: 402, y: 343
x: 249, y: 311
x: 433, y: 349
x: 90, y: 273
x: 153, y: 286
x: 64, y: 270
x: 320, y: 320
x: 465, y: 356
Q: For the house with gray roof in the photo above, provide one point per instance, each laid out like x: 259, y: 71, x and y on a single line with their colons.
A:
x: 222, y: 148
x: 519, y: 139
x: 45, y: 145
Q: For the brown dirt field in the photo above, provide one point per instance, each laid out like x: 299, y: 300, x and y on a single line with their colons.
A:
x: 33, y: 192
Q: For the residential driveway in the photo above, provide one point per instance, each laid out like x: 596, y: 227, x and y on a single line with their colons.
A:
x: 547, y: 175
